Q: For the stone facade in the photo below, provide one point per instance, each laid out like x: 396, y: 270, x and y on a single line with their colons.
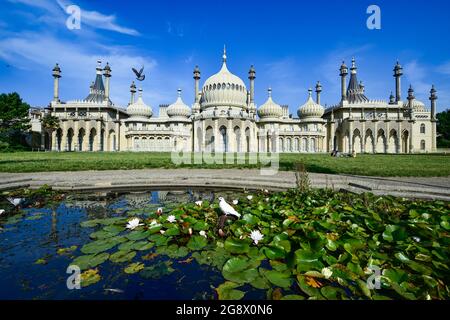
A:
x: 224, y: 117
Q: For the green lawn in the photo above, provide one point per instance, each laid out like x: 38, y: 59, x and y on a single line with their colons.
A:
x: 373, y: 165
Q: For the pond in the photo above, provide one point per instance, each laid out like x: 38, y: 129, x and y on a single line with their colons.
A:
x: 38, y: 244
x: 177, y: 244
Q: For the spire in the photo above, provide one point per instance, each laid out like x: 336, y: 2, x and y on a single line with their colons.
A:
x: 355, y: 90
x: 99, y: 67
x: 140, y: 93
x: 411, y: 93
x: 179, y: 92
x: 269, y: 91
x: 309, y: 93
x: 224, y: 57
x: 353, y: 68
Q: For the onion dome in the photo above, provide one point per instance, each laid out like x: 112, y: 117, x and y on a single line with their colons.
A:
x: 270, y: 109
x: 224, y: 89
x: 178, y: 108
x: 310, y: 109
x: 413, y: 103
x: 139, y: 109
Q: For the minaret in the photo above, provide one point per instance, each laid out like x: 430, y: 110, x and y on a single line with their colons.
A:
x: 318, y: 91
x: 133, y: 92
x: 56, y: 75
x: 392, y: 98
x: 410, y: 101
x: 196, y: 106
x: 252, y: 77
x: 197, y: 80
x: 362, y: 87
x: 343, y: 74
x: 107, y: 74
x: 410, y: 96
x: 433, y: 98
x: 398, y: 72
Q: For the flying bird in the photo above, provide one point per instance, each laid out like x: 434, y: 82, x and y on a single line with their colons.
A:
x: 227, y: 209
x: 139, y: 74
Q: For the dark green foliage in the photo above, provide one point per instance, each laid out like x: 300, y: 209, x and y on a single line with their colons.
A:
x: 443, y: 129
x: 14, y: 121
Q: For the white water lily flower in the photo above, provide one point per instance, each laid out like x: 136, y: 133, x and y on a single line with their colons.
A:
x: 327, y: 272
x: 202, y: 233
x: 134, y: 223
x: 249, y: 197
x: 162, y: 231
x: 2, y: 211
x: 235, y: 201
x: 154, y: 223
x: 266, y: 191
x: 159, y: 210
x: 199, y: 203
x: 267, y: 199
x: 416, y: 239
x: 256, y: 236
x: 190, y: 231
x: 171, y: 218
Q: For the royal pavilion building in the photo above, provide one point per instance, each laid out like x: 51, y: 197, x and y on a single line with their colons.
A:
x: 224, y: 117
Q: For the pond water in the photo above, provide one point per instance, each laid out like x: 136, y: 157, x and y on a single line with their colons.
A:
x: 31, y: 267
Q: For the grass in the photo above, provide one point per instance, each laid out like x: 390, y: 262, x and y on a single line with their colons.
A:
x: 424, y: 165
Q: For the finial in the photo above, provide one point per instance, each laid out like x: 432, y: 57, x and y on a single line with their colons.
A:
x: 224, y: 53
x: 270, y: 92
x: 179, y: 92
x: 140, y: 92
x: 310, y: 93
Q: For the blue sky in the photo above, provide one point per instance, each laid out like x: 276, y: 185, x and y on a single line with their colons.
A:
x: 291, y: 43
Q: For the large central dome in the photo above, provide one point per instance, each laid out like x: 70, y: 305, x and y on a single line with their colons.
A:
x: 224, y: 89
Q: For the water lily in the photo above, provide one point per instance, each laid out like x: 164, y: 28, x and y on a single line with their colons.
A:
x: 235, y: 201
x: 162, y: 231
x: 199, y: 203
x: 249, y: 197
x: 190, y: 231
x: 256, y: 236
x: 416, y: 239
x: 171, y: 218
x: 202, y: 233
x: 2, y: 211
x: 327, y: 272
x: 266, y: 191
x: 159, y: 211
x: 267, y: 199
x: 134, y: 223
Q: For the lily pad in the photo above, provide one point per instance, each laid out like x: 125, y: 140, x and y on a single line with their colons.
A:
x: 134, y: 268
x: 122, y: 256
x: 227, y: 291
x: 197, y: 243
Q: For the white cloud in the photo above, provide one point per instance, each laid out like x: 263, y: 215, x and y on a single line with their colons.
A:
x: 98, y: 20
x: 56, y: 13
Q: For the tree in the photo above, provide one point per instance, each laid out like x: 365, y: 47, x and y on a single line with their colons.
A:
x: 443, y: 129
x: 14, y: 120
x: 50, y: 123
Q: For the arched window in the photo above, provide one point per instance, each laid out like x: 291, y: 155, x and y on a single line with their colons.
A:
x: 422, y: 128
x: 422, y: 145
x: 223, y: 133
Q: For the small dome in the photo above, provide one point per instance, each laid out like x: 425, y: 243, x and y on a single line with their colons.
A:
x: 417, y: 105
x: 224, y: 88
x: 178, y: 108
x: 139, y: 109
x: 310, y: 109
x: 107, y: 67
x: 270, y: 109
